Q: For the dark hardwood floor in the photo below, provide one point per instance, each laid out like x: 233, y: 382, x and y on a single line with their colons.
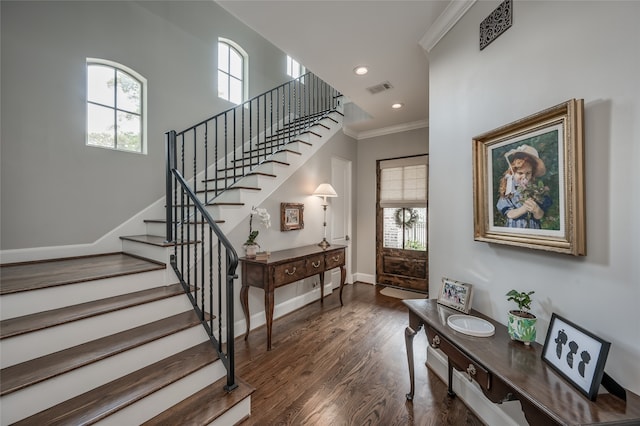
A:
x: 333, y: 365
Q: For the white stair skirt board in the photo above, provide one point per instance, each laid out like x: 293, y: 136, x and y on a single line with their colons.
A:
x: 402, y: 294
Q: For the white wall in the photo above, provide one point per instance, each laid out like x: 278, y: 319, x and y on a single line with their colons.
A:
x: 554, y: 51
x: 370, y: 150
x: 297, y: 189
x: 57, y: 191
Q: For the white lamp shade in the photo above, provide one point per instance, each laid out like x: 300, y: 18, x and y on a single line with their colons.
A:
x: 325, y: 190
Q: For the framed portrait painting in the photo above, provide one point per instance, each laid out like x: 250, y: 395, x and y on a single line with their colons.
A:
x: 528, y: 182
x: 456, y: 295
x: 291, y: 216
x: 576, y: 354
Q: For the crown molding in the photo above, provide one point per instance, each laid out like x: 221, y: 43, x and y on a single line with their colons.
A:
x: 386, y: 130
x: 447, y: 19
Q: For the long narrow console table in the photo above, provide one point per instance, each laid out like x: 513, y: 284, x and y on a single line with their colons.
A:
x: 284, y: 267
x: 508, y: 370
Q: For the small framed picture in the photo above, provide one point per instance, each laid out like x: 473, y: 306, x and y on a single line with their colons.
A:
x: 455, y: 295
x: 576, y: 354
x: 291, y: 216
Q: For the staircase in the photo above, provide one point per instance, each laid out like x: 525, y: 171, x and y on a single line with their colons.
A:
x: 111, y: 338
x: 102, y: 338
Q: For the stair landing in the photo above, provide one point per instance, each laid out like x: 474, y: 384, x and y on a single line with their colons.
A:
x: 19, y: 277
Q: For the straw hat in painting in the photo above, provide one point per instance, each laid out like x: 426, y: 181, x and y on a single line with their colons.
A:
x: 528, y: 151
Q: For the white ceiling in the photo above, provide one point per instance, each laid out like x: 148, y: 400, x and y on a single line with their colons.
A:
x: 330, y: 38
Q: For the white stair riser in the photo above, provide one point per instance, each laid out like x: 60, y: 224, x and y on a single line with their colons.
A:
x: 21, y: 348
x: 149, y: 251
x: 31, y: 400
x: 233, y: 416
x: 157, y: 402
x: 19, y: 304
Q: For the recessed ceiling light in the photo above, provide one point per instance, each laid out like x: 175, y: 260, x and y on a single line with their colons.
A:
x: 397, y: 105
x: 361, y: 70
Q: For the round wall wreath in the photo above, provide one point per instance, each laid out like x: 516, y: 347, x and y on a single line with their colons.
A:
x: 406, y: 217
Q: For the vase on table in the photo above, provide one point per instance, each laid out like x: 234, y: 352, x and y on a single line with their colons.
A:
x: 251, y: 250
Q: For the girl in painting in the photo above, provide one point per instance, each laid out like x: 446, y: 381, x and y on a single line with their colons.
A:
x: 522, y: 201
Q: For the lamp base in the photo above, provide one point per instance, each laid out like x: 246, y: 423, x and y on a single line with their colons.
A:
x: 324, y: 243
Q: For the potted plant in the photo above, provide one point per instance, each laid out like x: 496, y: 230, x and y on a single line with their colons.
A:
x: 251, y: 246
x: 522, y: 323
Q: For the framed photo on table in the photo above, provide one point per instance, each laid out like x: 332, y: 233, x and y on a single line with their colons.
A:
x: 529, y: 183
x: 576, y: 354
x: 291, y: 216
x: 456, y: 295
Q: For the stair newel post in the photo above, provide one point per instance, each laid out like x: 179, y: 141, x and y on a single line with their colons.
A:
x: 232, y: 266
x: 170, y: 161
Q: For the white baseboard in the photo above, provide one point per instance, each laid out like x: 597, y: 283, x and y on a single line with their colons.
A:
x: 505, y: 414
x: 365, y: 278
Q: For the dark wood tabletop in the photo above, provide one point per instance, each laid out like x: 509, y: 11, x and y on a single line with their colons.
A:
x: 520, y: 369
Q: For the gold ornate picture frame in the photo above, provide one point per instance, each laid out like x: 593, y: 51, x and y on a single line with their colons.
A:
x: 528, y: 182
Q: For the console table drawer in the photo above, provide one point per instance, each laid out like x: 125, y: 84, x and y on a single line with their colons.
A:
x: 471, y: 369
x: 290, y: 272
x: 315, y: 264
x: 334, y: 259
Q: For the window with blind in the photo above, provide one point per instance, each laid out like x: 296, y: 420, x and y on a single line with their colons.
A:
x: 403, y: 200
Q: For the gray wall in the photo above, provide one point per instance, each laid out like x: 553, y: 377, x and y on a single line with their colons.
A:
x: 57, y: 191
x: 554, y: 51
x: 369, y: 151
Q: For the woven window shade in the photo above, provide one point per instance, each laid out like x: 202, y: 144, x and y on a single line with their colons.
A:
x: 403, y: 182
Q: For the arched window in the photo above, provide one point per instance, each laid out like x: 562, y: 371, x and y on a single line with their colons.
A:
x: 232, y: 71
x: 116, y: 106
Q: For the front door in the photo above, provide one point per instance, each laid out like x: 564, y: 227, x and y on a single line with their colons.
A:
x: 401, y: 223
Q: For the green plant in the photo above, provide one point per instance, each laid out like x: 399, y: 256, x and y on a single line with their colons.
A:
x: 522, y: 299
x: 251, y: 239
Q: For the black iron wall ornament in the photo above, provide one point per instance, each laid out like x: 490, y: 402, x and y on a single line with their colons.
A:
x: 495, y: 24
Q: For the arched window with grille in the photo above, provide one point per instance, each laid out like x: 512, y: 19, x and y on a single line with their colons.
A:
x: 232, y: 72
x: 116, y: 107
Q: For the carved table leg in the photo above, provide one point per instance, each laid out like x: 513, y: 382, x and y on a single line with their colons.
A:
x: 244, y: 300
x: 268, y: 310
x: 409, y: 334
x: 343, y: 277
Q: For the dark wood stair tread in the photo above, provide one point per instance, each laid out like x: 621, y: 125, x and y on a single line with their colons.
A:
x: 204, y: 406
x: 241, y: 176
x: 18, y: 277
x: 231, y: 188
x: 190, y: 222
x: 41, y: 320
x: 107, y: 399
x: 154, y: 240
x: 25, y: 374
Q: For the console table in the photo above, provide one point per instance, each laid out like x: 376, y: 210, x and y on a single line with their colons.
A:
x: 508, y: 370
x: 284, y: 267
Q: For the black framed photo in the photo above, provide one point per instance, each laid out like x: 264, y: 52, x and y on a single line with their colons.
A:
x: 576, y: 354
x: 456, y: 295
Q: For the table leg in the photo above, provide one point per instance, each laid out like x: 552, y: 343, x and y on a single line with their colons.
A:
x: 322, y: 287
x: 268, y: 310
x: 450, y: 391
x: 409, y: 334
x: 244, y: 300
x: 343, y: 277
